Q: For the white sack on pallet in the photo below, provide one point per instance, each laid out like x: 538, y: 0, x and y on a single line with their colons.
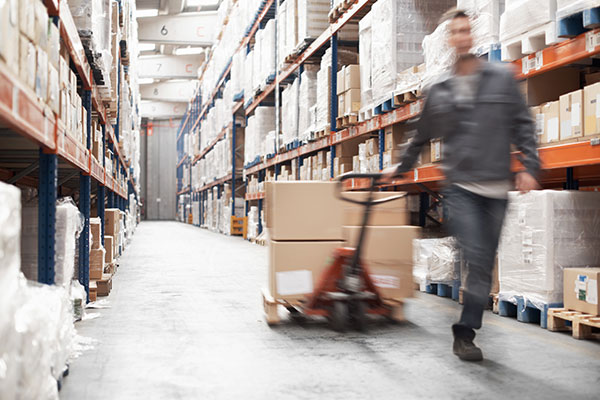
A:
x: 522, y: 16
x: 485, y: 22
x: 545, y: 232
x: 564, y: 8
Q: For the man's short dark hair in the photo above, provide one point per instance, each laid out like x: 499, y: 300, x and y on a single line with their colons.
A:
x: 453, y: 13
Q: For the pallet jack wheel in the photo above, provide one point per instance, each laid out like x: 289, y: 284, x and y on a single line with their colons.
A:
x: 339, y: 316
x: 359, y: 316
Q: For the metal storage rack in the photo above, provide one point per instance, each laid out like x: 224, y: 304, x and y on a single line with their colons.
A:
x: 52, y: 159
x: 562, y: 164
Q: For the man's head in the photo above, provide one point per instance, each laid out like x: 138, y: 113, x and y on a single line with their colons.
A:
x: 459, y: 31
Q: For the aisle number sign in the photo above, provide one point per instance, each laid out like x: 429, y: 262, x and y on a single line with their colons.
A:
x: 197, y: 29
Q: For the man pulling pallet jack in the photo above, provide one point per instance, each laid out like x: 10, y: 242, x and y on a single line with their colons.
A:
x: 478, y: 111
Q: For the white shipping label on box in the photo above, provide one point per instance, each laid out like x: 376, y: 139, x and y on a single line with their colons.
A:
x: 386, y: 281
x: 553, y: 129
x: 565, y: 129
x: 575, y: 114
x: 592, y: 292
x: 294, y: 282
x: 539, y: 124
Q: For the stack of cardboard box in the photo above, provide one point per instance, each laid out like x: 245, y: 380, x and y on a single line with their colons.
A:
x: 397, y: 138
x: 303, y: 236
x: 112, y: 228
x: 387, y: 250
x: 348, y: 90
x: 99, y: 276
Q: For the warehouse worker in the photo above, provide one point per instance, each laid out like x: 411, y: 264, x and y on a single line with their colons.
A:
x: 478, y: 111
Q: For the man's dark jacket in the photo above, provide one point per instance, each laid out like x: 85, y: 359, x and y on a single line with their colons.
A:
x: 477, y: 136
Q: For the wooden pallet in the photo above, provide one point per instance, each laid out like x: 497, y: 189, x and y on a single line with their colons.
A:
x: 346, y: 121
x: 582, y: 324
x: 239, y: 226
x: 410, y: 96
x: 338, y: 10
x: 271, y: 307
x: 93, y: 291
x: 320, y: 134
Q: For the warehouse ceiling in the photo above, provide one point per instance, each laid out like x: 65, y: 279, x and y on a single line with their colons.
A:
x: 174, y: 36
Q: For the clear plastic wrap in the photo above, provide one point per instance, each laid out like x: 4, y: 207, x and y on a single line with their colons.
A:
x: 69, y: 224
x: 545, y: 232
x: 442, y: 262
x: 308, y: 98
x: 564, y: 8
x: 364, y: 47
x: 10, y: 259
x: 439, y: 56
x: 312, y: 19
x: 485, y: 22
x: 93, y: 21
x: 521, y: 16
x: 434, y: 260
x: 398, y: 30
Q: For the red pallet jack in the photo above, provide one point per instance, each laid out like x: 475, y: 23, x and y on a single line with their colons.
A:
x: 346, y: 293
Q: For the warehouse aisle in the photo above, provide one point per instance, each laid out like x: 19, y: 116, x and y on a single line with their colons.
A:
x: 186, y: 323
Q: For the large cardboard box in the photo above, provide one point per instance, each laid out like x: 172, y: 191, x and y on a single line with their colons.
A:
x: 96, y: 231
x: 387, y: 214
x: 96, y: 263
x: 352, y: 101
x: 349, y: 148
x: 591, y: 109
x: 387, y: 253
x: 341, y: 88
x: 394, y: 136
x: 538, y: 117
x: 352, y: 77
x: 295, y: 267
x: 581, y: 289
x: 109, y: 246
x: 303, y: 211
x: 571, y: 115
x: 551, y: 116
x: 112, y: 221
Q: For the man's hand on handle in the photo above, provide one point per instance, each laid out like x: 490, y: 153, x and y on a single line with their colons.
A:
x: 525, y: 182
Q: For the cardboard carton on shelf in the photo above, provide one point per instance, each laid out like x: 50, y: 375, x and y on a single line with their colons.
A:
x: 109, y: 246
x: 551, y: 125
x: 591, y: 110
x: 538, y: 118
x: 352, y: 77
x: 292, y: 214
x: 387, y: 253
x: 581, y: 290
x: 571, y: 115
x: 295, y: 267
x: 394, y: 213
x: 341, y: 87
x: 104, y: 285
x: 96, y: 263
x: 96, y: 232
x: 351, y: 101
x: 394, y: 136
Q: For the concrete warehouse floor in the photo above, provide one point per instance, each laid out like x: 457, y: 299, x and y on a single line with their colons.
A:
x: 186, y: 323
